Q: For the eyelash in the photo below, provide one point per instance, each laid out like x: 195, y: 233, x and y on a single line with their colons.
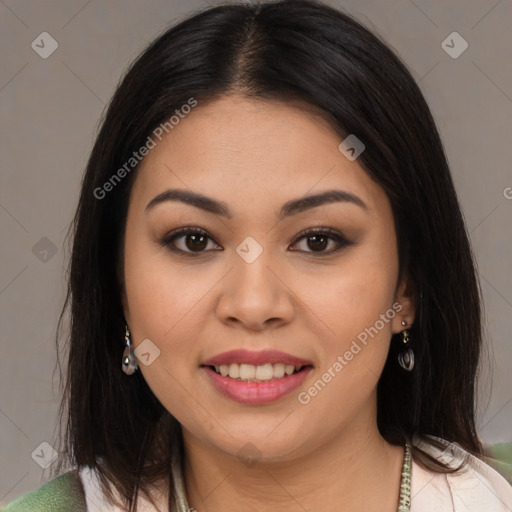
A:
x: 326, y: 232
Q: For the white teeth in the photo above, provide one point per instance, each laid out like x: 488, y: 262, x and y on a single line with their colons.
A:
x: 289, y: 369
x: 247, y: 371
x: 234, y: 370
x: 262, y: 372
x: 278, y: 370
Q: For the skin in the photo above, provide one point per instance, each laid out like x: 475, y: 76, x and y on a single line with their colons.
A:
x: 323, y: 456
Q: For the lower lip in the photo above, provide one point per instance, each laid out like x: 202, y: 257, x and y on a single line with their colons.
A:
x: 257, y: 392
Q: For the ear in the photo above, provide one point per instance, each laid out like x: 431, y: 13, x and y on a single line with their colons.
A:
x: 406, y: 297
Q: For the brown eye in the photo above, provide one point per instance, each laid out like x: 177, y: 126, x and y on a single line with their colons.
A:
x: 196, y: 242
x: 187, y: 240
x: 318, y: 240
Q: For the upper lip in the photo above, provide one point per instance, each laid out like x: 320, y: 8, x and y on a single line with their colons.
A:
x: 242, y: 356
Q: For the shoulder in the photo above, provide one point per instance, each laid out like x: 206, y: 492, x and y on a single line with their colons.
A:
x: 62, y: 494
x: 474, y: 488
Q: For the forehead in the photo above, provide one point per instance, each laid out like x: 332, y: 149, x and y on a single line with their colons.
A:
x: 235, y: 148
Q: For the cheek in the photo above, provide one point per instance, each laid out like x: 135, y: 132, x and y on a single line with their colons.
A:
x: 165, y: 306
x: 357, y: 308
x: 160, y: 295
x: 357, y: 293
x: 358, y: 311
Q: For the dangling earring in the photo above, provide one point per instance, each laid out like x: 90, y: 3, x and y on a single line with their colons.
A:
x: 129, y: 364
x: 406, y: 358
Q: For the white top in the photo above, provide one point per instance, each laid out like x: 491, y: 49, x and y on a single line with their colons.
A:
x: 476, y: 488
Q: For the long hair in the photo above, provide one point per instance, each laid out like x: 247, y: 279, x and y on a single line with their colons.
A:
x: 285, y: 50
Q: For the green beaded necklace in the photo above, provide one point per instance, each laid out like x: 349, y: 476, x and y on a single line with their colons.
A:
x: 405, y: 483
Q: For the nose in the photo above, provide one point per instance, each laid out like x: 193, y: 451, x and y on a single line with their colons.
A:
x: 256, y: 295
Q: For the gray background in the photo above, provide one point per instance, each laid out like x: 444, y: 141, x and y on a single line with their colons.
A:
x: 50, y: 110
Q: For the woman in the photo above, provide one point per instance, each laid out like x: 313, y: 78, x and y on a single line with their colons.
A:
x: 269, y: 245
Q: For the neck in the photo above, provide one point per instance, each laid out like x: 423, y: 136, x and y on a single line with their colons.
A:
x: 355, y: 470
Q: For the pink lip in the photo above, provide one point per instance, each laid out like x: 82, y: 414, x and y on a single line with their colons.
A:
x: 255, y: 358
x: 255, y: 393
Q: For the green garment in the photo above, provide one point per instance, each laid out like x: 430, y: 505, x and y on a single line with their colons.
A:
x: 62, y: 494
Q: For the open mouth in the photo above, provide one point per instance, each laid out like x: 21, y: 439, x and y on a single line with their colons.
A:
x: 257, y: 373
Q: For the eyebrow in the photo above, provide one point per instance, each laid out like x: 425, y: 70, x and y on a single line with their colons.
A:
x: 291, y: 207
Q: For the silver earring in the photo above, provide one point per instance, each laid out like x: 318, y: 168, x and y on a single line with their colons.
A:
x: 406, y: 358
x: 129, y: 364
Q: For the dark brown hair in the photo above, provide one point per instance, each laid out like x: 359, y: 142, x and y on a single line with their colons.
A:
x: 287, y: 50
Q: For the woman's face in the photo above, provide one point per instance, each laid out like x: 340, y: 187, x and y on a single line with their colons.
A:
x: 254, y: 291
